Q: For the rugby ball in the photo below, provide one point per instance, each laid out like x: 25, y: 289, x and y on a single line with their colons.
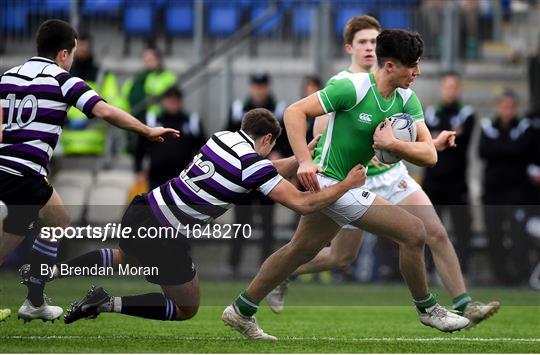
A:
x: 404, y: 128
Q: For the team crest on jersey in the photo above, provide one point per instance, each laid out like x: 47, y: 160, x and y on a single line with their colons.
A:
x: 364, y: 117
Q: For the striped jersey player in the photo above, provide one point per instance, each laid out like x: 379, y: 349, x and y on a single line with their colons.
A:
x: 226, y: 168
x: 35, y: 98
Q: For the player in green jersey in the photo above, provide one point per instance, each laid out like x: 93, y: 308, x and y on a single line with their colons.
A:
x: 393, y: 183
x: 360, y: 103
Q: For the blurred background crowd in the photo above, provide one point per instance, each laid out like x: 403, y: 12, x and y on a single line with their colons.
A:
x: 199, y: 65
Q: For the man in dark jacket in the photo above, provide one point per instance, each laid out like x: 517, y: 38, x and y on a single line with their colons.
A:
x: 508, y: 145
x: 446, y: 182
x: 169, y: 158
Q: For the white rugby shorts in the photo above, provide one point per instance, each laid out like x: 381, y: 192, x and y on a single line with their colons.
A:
x: 395, y: 185
x: 349, y: 207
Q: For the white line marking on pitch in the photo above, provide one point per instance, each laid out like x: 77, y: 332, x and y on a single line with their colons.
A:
x: 188, y: 338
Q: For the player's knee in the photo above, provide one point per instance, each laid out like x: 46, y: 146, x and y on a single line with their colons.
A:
x: 64, y: 219
x: 186, y: 312
x: 57, y: 217
x: 436, y: 234
x: 416, y: 234
x: 343, y: 259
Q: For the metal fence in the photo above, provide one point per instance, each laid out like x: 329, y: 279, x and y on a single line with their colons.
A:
x: 441, y: 22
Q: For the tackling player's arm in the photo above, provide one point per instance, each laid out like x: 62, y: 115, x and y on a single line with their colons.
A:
x: 122, y: 119
x: 422, y: 152
x: 308, y: 202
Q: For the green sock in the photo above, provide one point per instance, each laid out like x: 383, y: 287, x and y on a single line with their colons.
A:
x: 245, y: 306
x: 425, y: 302
x: 461, y: 301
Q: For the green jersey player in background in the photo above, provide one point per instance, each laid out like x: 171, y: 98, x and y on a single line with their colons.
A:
x: 361, y: 103
x: 393, y: 183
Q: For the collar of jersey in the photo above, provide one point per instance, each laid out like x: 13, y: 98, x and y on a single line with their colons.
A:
x: 42, y: 59
x: 247, y: 138
x: 378, y: 96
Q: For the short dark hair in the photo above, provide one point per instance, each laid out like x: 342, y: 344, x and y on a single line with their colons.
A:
x: 54, y: 36
x: 259, y: 122
x: 359, y: 23
x: 85, y: 36
x: 451, y: 73
x: 173, y: 91
x: 402, y: 45
x: 314, y: 79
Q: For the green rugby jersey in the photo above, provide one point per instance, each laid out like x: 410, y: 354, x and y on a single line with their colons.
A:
x: 358, y: 108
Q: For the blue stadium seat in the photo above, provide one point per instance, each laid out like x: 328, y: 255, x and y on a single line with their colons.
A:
x: 179, y: 19
x: 57, y: 7
x: 139, y: 19
x: 101, y: 7
x: 14, y: 18
x: 406, y: 3
x: 343, y: 14
x: 302, y: 20
x: 222, y: 20
x: 394, y: 18
x: 269, y: 26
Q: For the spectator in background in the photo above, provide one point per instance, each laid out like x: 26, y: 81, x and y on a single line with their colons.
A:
x: 432, y: 17
x: 140, y: 93
x: 311, y: 84
x: 534, y: 83
x: 169, y: 158
x: 83, y: 136
x: 508, y: 145
x: 468, y: 12
x: 446, y: 183
x: 469, y: 15
x: 260, y: 96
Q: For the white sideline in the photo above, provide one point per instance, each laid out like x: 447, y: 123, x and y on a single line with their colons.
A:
x: 351, y: 340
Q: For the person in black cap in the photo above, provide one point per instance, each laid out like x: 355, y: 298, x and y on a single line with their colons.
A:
x: 260, y: 96
x: 168, y: 159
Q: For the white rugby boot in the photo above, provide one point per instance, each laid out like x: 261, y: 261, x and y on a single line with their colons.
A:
x: 276, y: 297
x: 477, y: 312
x: 247, y: 326
x: 442, y: 319
x: 45, y: 312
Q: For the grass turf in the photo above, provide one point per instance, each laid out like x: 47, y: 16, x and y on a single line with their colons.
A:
x: 318, y: 318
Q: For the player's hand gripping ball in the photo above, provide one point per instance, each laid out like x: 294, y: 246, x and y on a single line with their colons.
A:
x: 404, y: 129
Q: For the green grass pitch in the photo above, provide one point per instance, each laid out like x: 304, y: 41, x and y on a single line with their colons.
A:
x: 318, y: 319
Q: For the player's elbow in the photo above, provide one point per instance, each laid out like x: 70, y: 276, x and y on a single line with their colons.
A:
x: 432, y: 159
x: 305, y: 207
x: 290, y: 113
x: 429, y: 159
x: 103, y: 110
